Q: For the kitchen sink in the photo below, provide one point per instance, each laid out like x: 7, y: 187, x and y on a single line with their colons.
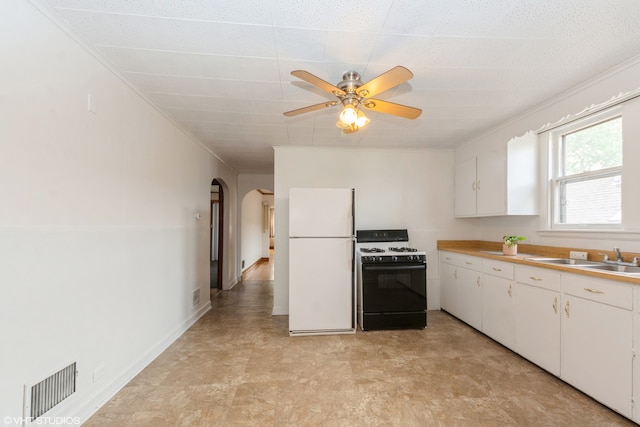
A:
x: 615, y: 268
x: 565, y: 261
x: 589, y: 265
x: 500, y: 253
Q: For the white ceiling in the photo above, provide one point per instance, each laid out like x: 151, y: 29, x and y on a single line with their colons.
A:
x: 220, y: 68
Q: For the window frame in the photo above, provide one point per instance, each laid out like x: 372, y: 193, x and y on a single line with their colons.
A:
x: 557, y: 181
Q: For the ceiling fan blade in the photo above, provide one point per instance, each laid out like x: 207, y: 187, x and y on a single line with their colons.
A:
x: 310, y: 108
x: 384, y: 81
x: 392, y: 108
x: 318, y: 82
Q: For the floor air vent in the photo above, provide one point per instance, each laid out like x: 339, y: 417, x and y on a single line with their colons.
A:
x: 44, y: 395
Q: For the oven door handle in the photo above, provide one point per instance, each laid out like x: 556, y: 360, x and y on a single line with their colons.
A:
x: 396, y: 267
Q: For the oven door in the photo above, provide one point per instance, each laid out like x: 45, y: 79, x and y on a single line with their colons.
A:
x: 394, y: 287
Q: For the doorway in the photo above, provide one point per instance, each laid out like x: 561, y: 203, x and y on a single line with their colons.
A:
x: 256, y: 238
x: 216, y: 253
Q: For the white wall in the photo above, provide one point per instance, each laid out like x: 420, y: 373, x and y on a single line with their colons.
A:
x: 621, y: 80
x: 410, y: 189
x: 100, y: 250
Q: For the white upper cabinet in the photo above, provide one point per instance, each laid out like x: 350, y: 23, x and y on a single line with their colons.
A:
x: 498, y: 181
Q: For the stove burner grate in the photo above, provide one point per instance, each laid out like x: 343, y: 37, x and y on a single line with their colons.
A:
x: 371, y: 250
x: 403, y: 249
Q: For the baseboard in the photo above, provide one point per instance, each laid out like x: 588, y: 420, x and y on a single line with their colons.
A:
x: 229, y: 285
x: 280, y: 311
x: 255, y: 265
x: 106, y: 394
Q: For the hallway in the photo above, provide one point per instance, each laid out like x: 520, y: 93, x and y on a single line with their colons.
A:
x: 237, y: 366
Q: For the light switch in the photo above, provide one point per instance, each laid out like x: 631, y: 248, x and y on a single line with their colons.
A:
x: 91, y: 103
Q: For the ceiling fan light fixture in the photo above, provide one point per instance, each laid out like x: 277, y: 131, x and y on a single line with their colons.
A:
x: 349, y: 115
x: 341, y: 125
x: 362, y: 120
x: 354, y: 95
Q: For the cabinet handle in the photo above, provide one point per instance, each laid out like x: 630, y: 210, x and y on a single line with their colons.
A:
x: 473, y: 186
x: 478, y: 185
x: 455, y: 274
x: 468, y: 263
x: 537, y: 279
x: 478, y: 281
x: 448, y: 258
x: 555, y: 305
x: 566, y: 309
x: 497, y: 269
x: 509, y: 291
x: 594, y: 291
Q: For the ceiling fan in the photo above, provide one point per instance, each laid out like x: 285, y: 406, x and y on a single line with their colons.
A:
x: 353, y: 94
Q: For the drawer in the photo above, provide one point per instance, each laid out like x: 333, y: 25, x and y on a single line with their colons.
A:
x: 498, y: 268
x: 540, y: 277
x: 470, y: 262
x: 460, y: 260
x: 603, y: 291
x: 449, y: 258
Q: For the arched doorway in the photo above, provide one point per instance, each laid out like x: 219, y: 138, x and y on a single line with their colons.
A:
x: 216, y: 236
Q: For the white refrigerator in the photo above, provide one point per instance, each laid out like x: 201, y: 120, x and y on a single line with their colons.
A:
x: 321, y: 261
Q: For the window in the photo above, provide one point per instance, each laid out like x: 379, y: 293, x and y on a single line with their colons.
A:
x: 587, y: 174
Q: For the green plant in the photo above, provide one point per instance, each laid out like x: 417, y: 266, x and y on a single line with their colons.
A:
x: 512, y: 240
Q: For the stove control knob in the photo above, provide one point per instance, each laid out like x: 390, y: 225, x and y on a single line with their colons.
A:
x: 379, y: 258
x: 410, y: 258
x: 394, y: 258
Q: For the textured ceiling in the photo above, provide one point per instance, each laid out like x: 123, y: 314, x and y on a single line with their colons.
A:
x: 221, y: 68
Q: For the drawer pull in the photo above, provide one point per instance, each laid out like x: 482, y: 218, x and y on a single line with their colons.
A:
x: 448, y: 258
x: 594, y: 291
x: 468, y: 263
x: 555, y: 305
x: 537, y: 279
x: 497, y: 269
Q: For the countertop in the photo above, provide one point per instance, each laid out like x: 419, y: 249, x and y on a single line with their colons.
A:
x: 493, y: 250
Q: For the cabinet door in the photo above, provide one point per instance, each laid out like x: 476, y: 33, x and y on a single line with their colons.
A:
x: 498, y: 309
x: 465, y: 188
x: 597, y: 351
x: 448, y: 292
x: 470, y: 297
x: 636, y: 360
x: 537, y: 315
x: 491, y: 184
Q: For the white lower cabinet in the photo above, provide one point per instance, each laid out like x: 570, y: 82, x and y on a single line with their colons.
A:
x: 461, y: 288
x: 597, y: 338
x: 537, y: 317
x: 470, y: 296
x: 636, y: 349
x: 449, y: 283
x: 584, y: 330
x: 498, y: 309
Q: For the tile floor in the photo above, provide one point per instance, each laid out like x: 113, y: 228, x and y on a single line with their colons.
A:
x: 237, y: 366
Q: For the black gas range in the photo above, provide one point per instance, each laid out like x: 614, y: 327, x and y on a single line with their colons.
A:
x: 392, y: 285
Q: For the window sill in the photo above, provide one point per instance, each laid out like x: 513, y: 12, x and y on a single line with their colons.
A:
x: 603, y: 234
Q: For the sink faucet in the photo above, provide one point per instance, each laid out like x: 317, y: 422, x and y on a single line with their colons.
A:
x: 618, y: 254
x: 619, y: 260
